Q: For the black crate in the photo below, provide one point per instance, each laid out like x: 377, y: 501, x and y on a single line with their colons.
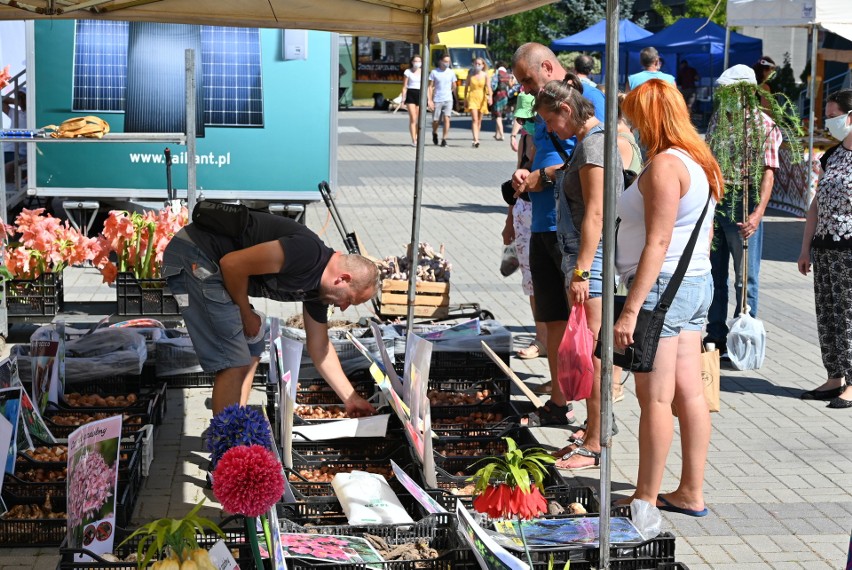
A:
x: 205, y: 379
x: 23, y: 461
x: 326, y: 511
x: 108, y: 385
x: 369, y: 448
x: 648, y: 555
x: 311, y: 391
x: 458, y: 450
x: 39, y: 297
x: 447, y: 365
x: 146, y: 297
x: 131, y: 423
x: 481, y: 420
x: 151, y: 402
x: 303, y: 487
x: 438, y: 531
x: 476, y: 390
x: 26, y: 533
x: 233, y: 527
x: 562, y: 495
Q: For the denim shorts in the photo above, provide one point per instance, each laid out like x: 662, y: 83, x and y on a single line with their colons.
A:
x: 569, y: 262
x: 211, y: 317
x: 689, y: 308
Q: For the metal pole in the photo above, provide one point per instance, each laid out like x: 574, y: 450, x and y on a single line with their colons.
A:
x: 190, y: 129
x: 812, y: 114
x: 727, y: 47
x: 418, y: 166
x: 611, y: 174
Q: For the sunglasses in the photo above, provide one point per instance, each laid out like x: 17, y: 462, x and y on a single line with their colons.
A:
x: 524, y: 121
x: 765, y: 63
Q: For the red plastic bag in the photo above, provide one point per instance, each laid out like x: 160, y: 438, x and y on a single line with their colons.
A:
x: 576, y: 369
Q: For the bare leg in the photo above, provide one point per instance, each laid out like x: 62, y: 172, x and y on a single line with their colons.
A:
x: 694, y: 419
x: 446, y: 126
x: 227, y: 387
x: 413, y: 112
x: 245, y: 390
x: 475, y: 123
x: 498, y: 127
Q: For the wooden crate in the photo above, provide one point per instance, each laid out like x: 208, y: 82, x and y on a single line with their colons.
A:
x: 430, y: 299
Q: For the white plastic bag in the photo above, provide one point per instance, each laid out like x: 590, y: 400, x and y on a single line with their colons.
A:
x: 746, y: 342
x: 646, y: 518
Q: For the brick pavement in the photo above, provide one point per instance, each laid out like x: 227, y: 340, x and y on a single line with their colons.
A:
x: 778, y: 469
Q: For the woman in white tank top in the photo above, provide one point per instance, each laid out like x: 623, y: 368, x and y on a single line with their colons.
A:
x: 411, y: 95
x: 658, y: 213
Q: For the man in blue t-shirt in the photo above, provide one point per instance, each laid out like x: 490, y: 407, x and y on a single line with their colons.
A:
x: 442, y: 85
x: 534, y: 65
x: 583, y: 66
x: 650, y: 60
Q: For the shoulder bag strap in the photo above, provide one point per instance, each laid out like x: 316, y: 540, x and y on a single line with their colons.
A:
x: 558, y: 144
x: 671, y: 289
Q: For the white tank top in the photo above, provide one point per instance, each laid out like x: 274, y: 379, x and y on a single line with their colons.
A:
x: 631, y: 231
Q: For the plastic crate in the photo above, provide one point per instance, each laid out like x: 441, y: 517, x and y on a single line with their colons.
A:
x: 438, y: 531
x: 205, y: 379
x: 470, y: 364
x: 474, y: 421
x: 649, y: 555
x: 233, y: 527
x: 131, y: 423
x: 372, y: 448
x: 150, y: 403
x: 303, y: 487
x: 498, y: 389
x: 311, y: 391
x: 27, y: 533
x: 147, y: 297
x: 473, y: 449
x: 328, y: 511
x: 39, y: 297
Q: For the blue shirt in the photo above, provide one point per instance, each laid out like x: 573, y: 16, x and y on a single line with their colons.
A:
x: 544, y: 202
x: 596, y: 96
x: 638, y: 79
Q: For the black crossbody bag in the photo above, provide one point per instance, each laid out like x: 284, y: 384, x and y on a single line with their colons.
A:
x: 639, y: 356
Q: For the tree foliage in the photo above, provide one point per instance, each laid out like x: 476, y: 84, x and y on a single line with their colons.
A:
x: 693, y: 9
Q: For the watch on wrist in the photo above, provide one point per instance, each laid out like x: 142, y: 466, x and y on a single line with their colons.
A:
x: 545, y: 179
x: 583, y: 274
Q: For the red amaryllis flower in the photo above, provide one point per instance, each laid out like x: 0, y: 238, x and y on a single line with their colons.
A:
x: 248, y: 480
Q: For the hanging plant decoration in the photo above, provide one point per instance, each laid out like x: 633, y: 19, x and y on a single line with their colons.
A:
x: 736, y: 137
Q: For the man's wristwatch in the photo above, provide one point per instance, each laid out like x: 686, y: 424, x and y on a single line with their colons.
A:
x: 583, y: 274
x: 545, y: 180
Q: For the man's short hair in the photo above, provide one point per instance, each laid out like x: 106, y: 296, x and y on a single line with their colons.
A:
x: 584, y: 64
x: 365, y: 273
x: 649, y: 56
x: 531, y: 54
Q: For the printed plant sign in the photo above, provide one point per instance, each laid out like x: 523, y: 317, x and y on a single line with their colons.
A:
x: 45, y: 372
x: 33, y: 424
x: 10, y: 410
x: 92, y: 485
x: 329, y: 548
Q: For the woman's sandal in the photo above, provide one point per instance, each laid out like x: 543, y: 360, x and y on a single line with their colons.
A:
x: 534, y: 350
x: 582, y: 452
x: 551, y: 414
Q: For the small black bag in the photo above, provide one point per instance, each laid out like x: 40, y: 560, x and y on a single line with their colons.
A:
x: 229, y: 220
x: 639, y: 356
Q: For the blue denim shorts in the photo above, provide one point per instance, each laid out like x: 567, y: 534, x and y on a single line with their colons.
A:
x: 569, y: 262
x: 211, y: 317
x: 689, y: 308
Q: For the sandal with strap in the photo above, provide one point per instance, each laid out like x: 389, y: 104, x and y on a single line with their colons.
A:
x: 551, y: 414
x: 534, y: 350
x: 582, y: 452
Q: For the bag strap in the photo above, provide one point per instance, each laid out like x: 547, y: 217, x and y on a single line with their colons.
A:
x: 671, y: 289
x: 558, y: 145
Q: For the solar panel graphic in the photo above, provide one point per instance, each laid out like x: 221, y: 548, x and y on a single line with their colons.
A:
x: 230, y: 78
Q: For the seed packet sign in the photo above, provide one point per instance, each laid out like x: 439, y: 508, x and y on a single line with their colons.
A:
x: 7, y: 446
x: 93, y: 453
x: 489, y: 554
x: 32, y: 423
x: 45, y: 371
x: 10, y: 411
x: 421, y: 496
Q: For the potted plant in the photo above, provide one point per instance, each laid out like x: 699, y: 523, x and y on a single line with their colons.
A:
x: 39, y: 246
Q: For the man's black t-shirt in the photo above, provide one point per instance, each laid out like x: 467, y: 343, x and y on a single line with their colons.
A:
x: 305, y: 259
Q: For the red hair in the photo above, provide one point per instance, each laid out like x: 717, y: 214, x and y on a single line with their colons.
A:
x: 658, y: 111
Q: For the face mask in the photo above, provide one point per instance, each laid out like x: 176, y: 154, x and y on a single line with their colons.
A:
x: 477, y: 67
x: 529, y: 127
x: 442, y: 65
x: 416, y: 65
x: 838, y: 127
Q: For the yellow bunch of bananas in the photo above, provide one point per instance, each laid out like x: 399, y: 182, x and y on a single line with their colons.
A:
x: 88, y: 126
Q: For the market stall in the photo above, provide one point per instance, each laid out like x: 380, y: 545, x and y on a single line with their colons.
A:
x: 794, y: 189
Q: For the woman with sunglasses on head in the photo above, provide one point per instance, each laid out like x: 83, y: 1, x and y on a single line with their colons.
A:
x: 568, y: 114
x: 658, y: 214
x: 828, y: 240
x: 764, y: 71
x: 477, y: 96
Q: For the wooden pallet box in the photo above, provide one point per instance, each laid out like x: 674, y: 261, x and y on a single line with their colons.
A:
x: 430, y: 299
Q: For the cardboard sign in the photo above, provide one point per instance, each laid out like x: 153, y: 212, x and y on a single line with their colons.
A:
x: 221, y: 557
x: 10, y: 411
x: 33, y: 424
x: 9, y: 373
x: 276, y: 550
x: 387, y: 360
x: 421, y: 496
x: 43, y: 354
x: 92, y: 486
x: 416, y: 384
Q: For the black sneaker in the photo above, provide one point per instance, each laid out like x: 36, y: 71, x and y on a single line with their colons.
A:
x: 435, y: 138
x: 443, y: 142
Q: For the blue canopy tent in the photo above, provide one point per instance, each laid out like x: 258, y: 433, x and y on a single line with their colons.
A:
x: 704, y: 49
x: 593, y: 39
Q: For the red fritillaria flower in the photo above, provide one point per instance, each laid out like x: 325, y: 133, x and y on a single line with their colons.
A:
x: 502, y: 501
x: 248, y: 480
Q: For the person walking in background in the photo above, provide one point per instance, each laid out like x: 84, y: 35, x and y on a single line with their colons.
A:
x: 519, y: 219
x: 411, y: 94
x: 828, y: 240
x: 477, y: 96
x: 650, y: 60
x: 631, y: 155
x: 658, y: 214
x: 687, y: 82
x: 442, y: 85
x: 568, y: 113
x: 583, y: 66
x: 501, y: 83
x: 534, y: 66
x: 764, y: 71
x: 730, y: 228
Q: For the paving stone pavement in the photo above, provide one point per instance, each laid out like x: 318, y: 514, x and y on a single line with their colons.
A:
x: 778, y: 472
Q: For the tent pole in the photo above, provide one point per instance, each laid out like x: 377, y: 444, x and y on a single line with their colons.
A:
x: 191, y: 100
x: 727, y: 47
x: 812, y: 113
x: 418, y: 166
x: 611, y: 175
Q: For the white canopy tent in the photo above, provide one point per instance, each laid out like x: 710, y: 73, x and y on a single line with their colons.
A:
x: 831, y: 15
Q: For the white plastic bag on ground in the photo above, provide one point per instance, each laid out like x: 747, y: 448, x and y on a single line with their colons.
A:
x: 746, y: 342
